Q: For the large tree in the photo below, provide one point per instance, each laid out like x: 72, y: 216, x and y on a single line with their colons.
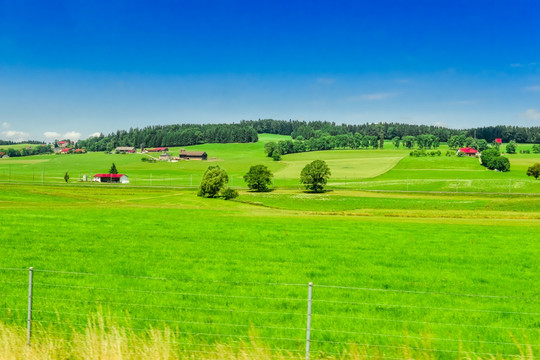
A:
x: 315, y: 175
x: 214, y: 179
x: 258, y: 178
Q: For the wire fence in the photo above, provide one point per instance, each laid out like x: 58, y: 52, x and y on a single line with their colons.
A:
x: 423, y: 185
x: 289, y: 319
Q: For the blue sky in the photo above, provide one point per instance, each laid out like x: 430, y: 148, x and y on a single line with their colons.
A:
x: 73, y: 68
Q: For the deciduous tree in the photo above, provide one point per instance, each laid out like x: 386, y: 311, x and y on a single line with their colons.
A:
x: 214, y: 179
x: 315, y: 175
x: 258, y: 178
x: 534, y: 171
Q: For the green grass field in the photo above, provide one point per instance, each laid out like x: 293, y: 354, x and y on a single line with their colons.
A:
x: 402, y: 274
x: 387, y: 169
x: 411, y: 242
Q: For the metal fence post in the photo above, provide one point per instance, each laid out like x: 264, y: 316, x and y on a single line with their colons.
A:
x: 30, y: 287
x: 308, y: 328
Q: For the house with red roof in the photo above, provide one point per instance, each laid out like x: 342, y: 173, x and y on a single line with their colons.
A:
x: 111, y: 178
x: 467, y: 151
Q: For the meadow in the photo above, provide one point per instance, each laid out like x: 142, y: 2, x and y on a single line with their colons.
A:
x: 395, y: 274
x: 388, y: 169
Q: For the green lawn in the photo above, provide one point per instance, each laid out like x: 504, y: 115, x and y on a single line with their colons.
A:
x: 411, y: 242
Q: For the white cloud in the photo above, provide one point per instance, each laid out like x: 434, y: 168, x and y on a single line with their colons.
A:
x: 530, y: 114
x: 532, y: 88
x: 326, y: 81
x: 72, y: 135
x: 440, y: 124
x: 96, y: 134
x: 14, y: 135
x: 53, y: 135
x: 371, y: 97
x: 517, y: 65
x: 5, y: 125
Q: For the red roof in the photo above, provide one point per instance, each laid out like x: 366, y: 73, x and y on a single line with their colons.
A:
x: 498, y: 141
x: 80, y: 150
x: 114, y: 176
x: 62, y: 142
x: 468, y: 150
x: 65, y: 150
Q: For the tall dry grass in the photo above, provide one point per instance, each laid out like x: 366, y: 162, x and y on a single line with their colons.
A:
x: 103, y: 340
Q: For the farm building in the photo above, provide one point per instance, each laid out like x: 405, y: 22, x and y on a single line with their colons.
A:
x: 165, y: 157
x: 158, y: 149
x: 467, y: 151
x: 193, y: 155
x: 125, y: 149
x: 63, y: 144
x: 111, y: 178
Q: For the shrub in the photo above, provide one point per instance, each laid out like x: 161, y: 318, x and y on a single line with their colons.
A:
x: 511, y: 147
x: 229, y: 194
x: 449, y: 153
x: 536, y: 148
x: 418, y: 153
x: 500, y: 163
x: 492, y: 159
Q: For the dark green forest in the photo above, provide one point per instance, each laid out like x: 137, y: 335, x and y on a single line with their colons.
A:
x: 247, y: 130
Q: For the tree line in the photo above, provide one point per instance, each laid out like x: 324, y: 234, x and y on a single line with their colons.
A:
x: 388, y: 131
x: 28, y: 151
x: 171, y: 135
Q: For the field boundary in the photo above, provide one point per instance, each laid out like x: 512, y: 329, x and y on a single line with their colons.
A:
x: 292, y: 188
x: 319, y: 320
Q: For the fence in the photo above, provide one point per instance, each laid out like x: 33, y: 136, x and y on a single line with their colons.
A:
x: 296, y: 320
x: 494, y: 186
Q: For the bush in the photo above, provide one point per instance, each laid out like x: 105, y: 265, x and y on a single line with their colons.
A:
x: 229, y: 194
x: 526, y: 151
x: 500, y: 163
x: 214, y: 179
x: 536, y: 148
x: 488, y: 155
x: 418, y: 153
x: 492, y: 159
x: 449, y: 153
x: 511, y: 147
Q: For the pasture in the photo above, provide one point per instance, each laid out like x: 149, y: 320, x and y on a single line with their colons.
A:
x: 387, y: 169
x: 400, y: 273
x: 218, y: 272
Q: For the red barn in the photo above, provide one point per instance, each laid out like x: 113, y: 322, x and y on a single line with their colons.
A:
x: 467, y: 151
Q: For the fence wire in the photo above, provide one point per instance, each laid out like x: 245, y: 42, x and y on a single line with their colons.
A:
x: 202, y: 314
